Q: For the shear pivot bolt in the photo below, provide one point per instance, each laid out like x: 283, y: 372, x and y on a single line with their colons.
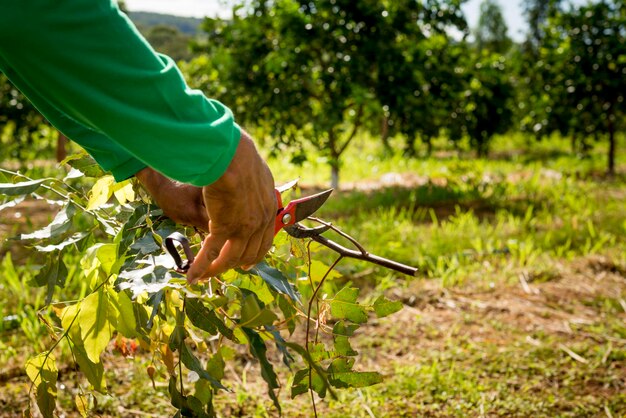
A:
x: 286, y: 218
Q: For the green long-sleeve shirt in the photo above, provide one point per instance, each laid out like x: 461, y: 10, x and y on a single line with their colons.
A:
x: 85, y: 67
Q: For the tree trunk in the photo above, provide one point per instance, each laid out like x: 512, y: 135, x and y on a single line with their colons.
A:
x: 61, y: 147
x: 334, y: 159
x: 334, y: 175
x: 384, y: 133
x: 611, y: 156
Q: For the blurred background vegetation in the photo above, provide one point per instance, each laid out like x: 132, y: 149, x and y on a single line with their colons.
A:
x: 320, y: 74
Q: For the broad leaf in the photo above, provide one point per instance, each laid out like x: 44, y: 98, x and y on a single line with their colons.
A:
x: 95, y: 320
x: 259, y: 350
x: 85, y: 164
x: 59, y: 225
x: 94, y: 372
x: 201, y: 316
x: 79, y: 236
x: 384, y: 307
x: 206, y: 319
x: 289, y: 312
x: 345, y: 306
x: 43, y: 372
x: 192, y: 363
x: 124, y: 192
x: 100, y: 192
x: 12, y: 203
x: 52, y: 274
x: 252, y: 315
x: 341, y: 374
x: 276, y: 280
x: 125, y: 322
x: 22, y: 188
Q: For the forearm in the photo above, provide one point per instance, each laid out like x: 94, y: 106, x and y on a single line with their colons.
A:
x: 91, y: 64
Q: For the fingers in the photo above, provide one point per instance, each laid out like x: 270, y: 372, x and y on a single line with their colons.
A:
x: 211, y: 249
x: 256, y: 251
x: 218, y: 255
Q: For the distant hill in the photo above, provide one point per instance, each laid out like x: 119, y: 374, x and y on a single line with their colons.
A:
x: 145, y: 20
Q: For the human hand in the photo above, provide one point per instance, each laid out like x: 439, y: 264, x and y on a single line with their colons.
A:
x: 242, y: 207
x: 183, y: 203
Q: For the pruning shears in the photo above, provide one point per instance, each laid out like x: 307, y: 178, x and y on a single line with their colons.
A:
x: 288, y: 217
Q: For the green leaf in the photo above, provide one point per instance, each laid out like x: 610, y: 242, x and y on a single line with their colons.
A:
x: 341, y: 375
x: 289, y: 312
x: 259, y: 351
x: 22, y: 188
x: 319, y: 353
x: 384, y: 307
x: 95, y: 320
x: 85, y: 164
x: 178, y: 400
x: 94, y: 372
x: 206, y: 319
x: 52, y: 274
x: 281, y: 345
x: 125, y: 322
x: 12, y: 203
x: 319, y: 269
x: 256, y: 285
x: 200, y: 315
x: 276, y: 280
x: 345, y: 306
x: 43, y: 372
x: 343, y: 347
x: 59, y: 225
x: 192, y: 363
x: 216, y: 365
x: 252, y: 315
x: 82, y: 404
x: 341, y: 328
x: 146, y: 245
x: 300, y: 383
x: 100, y: 192
x: 321, y: 384
x: 79, y: 236
x: 153, y: 278
x: 177, y: 337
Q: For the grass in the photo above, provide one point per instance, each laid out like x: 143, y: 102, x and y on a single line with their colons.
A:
x: 519, y: 308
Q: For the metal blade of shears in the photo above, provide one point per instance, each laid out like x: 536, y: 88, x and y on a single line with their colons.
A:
x: 299, y: 209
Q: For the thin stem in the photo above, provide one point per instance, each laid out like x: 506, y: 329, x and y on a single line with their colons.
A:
x: 45, y: 360
x: 308, y: 322
x: 340, y: 232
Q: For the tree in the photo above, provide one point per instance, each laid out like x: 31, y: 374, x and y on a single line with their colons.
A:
x: 169, y: 41
x: 486, y: 103
x: 418, y: 70
x: 321, y: 71
x: 584, y: 64
x: 21, y: 133
x: 491, y: 31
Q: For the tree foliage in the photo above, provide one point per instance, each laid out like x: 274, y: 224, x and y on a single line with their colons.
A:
x: 583, y: 65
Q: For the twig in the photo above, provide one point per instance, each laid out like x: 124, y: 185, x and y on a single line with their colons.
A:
x: 365, y: 256
x: 308, y: 323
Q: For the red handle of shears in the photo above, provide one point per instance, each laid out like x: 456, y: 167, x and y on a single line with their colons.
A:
x: 286, y: 215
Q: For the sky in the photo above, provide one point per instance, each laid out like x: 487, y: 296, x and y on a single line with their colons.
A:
x: 200, y: 8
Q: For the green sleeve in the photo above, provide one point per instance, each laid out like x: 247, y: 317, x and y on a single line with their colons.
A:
x: 110, y: 156
x: 94, y: 69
